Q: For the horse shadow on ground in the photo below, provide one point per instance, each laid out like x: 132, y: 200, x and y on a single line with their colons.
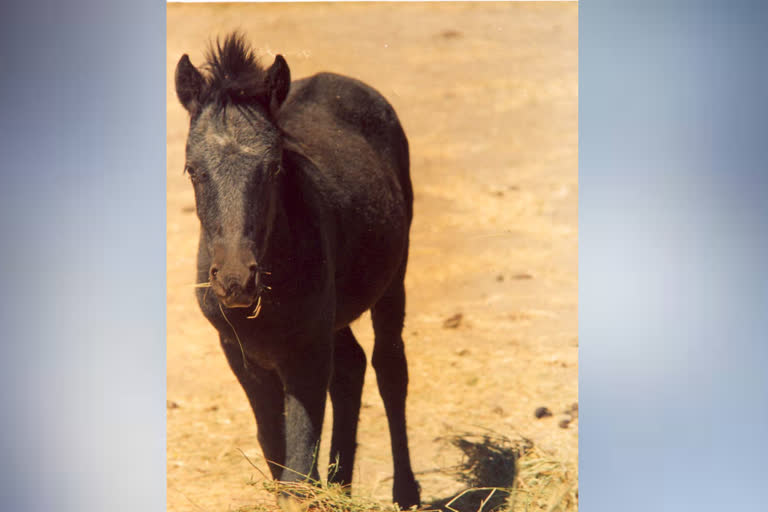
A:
x: 488, y: 470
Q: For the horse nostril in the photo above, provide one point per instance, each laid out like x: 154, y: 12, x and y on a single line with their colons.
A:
x: 214, y: 271
x: 253, y: 269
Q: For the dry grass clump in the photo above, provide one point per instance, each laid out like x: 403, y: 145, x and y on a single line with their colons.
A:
x: 315, y: 498
x: 509, y: 475
x: 501, y: 475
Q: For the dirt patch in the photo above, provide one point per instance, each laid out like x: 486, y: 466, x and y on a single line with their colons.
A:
x: 487, y: 94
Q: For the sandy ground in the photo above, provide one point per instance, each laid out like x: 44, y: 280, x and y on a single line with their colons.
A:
x: 487, y: 94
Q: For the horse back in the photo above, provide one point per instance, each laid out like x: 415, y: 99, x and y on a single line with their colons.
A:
x: 350, y: 106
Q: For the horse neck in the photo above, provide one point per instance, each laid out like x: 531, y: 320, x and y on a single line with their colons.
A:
x: 290, y: 243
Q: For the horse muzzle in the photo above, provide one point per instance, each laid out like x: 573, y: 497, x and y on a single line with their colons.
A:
x: 235, y: 290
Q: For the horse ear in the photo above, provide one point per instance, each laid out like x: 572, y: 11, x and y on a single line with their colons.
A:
x: 278, y: 83
x: 189, y: 85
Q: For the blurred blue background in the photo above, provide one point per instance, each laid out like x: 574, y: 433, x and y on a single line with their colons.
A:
x: 673, y: 251
x: 82, y: 217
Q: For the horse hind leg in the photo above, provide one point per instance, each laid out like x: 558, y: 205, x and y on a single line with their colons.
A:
x: 346, y: 390
x: 391, y: 368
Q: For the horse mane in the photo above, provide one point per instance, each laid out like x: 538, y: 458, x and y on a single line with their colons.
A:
x: 233, y: 74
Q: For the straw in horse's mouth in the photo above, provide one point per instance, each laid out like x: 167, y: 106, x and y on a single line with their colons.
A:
x: 242, y: 350
x: 257, y: 309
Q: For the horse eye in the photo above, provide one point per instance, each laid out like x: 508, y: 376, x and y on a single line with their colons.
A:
x: 195, y: 175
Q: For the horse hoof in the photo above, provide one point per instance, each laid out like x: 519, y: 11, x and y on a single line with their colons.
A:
x: 407, y: 495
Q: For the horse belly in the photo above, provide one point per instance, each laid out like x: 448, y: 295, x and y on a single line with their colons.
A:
x: 365, y: 273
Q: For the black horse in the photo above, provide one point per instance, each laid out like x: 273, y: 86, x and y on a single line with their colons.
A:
x: 304, y: 197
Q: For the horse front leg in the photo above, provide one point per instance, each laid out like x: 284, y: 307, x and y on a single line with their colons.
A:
x: 306, y: 376
x: 265, y: 394
x: 346, y: 389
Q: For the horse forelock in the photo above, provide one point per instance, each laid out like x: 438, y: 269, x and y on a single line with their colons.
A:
x: 234, y: 74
